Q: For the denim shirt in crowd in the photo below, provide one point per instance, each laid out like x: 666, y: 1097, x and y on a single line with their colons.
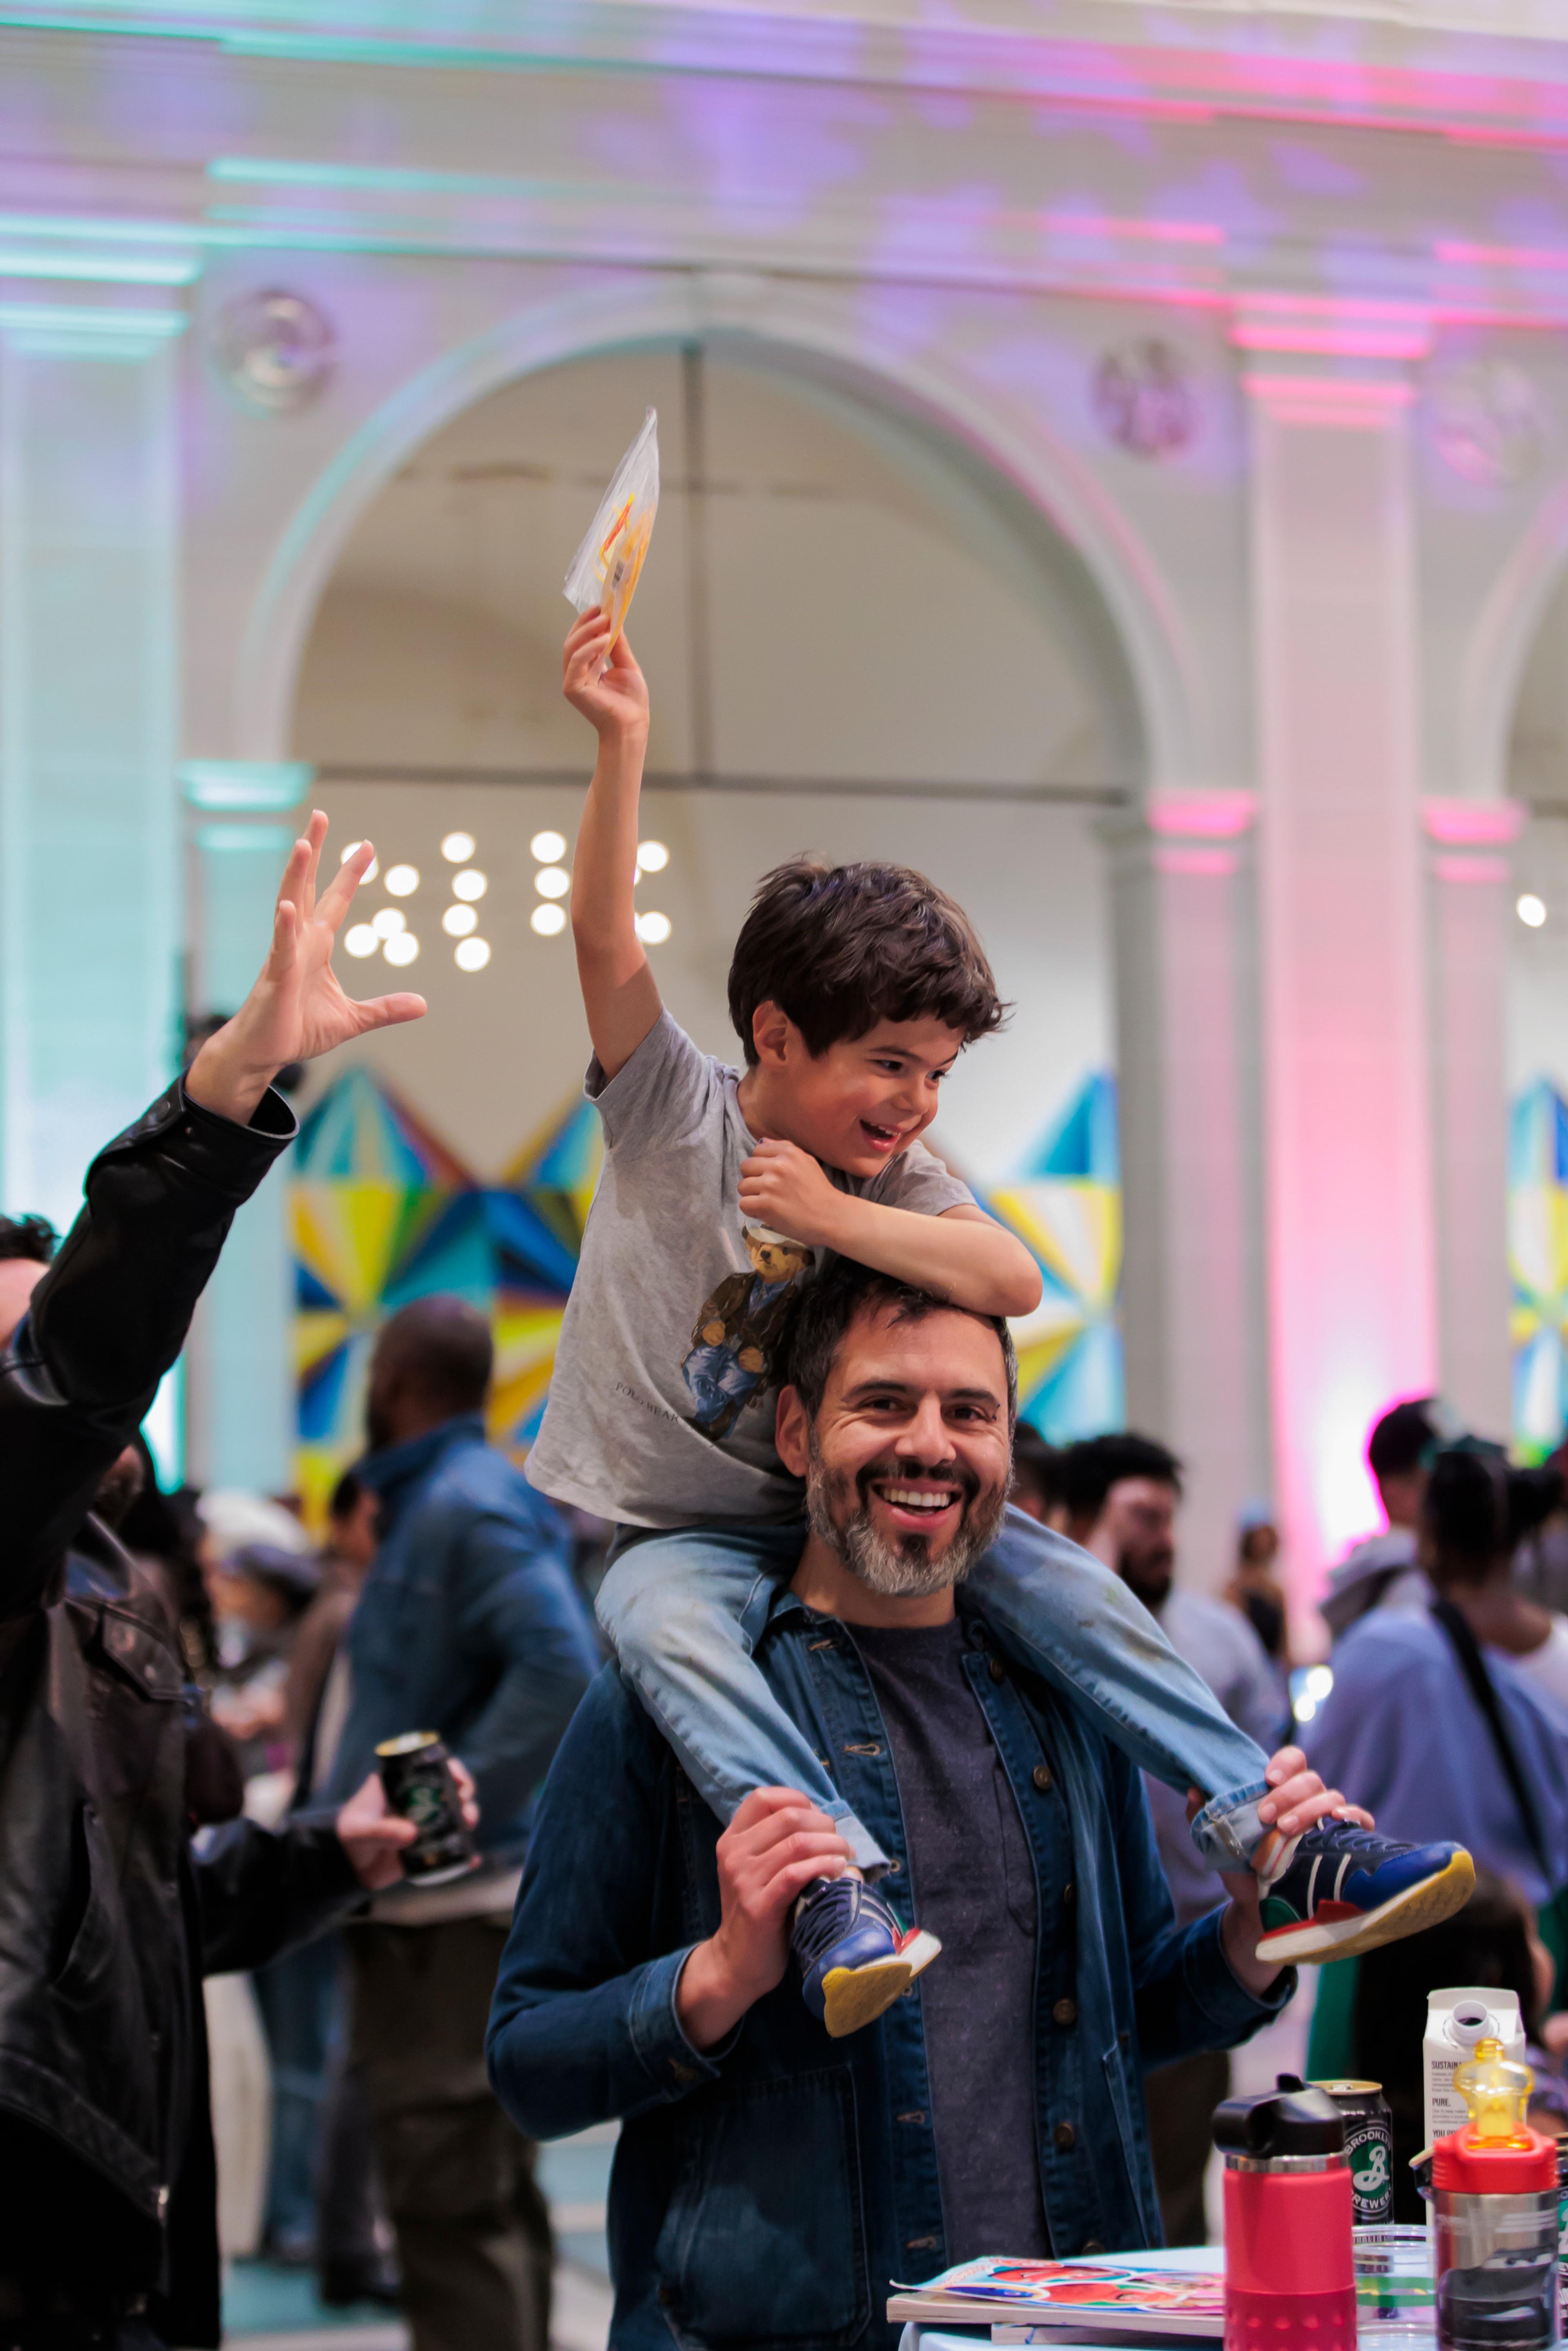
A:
x: 469, y: 1624
x: 768, y: 2192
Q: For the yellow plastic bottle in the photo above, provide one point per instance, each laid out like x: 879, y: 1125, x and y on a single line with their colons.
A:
x: 1495, y: 2092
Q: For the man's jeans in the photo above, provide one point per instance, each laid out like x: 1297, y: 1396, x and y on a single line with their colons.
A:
x: 679, y: 1609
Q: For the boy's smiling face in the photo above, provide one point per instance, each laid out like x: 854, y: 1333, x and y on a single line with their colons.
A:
x: 859, y: 1104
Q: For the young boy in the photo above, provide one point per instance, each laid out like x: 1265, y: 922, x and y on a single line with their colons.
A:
x: 853, y: 990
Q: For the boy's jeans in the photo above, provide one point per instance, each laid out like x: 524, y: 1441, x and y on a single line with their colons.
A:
x: 674, y: 1607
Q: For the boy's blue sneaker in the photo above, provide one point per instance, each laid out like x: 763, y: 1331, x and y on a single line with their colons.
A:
x: 854, y: 1956
x: 1344, y: 1890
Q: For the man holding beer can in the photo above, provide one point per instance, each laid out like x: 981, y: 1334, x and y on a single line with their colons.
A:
x: 469, y: 1644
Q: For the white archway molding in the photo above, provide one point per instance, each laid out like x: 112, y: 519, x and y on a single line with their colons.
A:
x: 1502, y: 643
x: 829, y: 324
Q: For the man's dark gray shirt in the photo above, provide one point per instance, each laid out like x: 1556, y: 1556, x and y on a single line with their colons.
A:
x: 972, y: 1887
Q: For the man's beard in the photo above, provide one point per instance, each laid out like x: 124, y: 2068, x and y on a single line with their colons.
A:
x: 902, y: 1567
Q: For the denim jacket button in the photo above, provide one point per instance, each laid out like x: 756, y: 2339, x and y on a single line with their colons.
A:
x: 1065, y: 2012
x: 995, y: 1668
x: 1066, y: 2137
x: 1041, y: 1776
x: 1068, y: 1896
x: 1093, y: 2245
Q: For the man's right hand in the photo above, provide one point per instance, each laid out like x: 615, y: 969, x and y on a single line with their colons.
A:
x: 775, y: 1844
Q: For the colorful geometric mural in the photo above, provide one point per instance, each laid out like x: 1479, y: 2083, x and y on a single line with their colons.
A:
x: 1538, y: 1260
x: 383, y: 1212
x: 1065, y: 1204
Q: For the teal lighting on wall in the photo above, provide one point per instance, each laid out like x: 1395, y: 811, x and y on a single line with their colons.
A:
x: 92, y: 928
x: 233, y: 786
x: 110, y: 268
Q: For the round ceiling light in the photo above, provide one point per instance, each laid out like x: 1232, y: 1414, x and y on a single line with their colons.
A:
x: 548, y: 921
x: 471, y: 954
x: 547, y: 846
x: 458, y: 848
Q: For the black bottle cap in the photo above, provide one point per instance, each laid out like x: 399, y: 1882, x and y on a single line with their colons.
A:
x: 1280, y: 2122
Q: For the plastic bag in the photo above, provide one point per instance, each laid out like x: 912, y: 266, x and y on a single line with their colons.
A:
x: 608, y: 565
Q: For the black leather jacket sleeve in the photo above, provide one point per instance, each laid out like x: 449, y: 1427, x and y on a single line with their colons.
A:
x: 261, y: 1892
x: 110, y: 1315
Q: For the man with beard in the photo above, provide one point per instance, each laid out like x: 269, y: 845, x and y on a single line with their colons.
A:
x: 772, y: 2182
x: 469, y: 1625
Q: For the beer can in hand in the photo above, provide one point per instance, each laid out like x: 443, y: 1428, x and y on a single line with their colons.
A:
x: 1368, y: 2146
x: 416, y: 1774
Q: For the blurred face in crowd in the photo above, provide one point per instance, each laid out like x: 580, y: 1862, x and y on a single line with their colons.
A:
x: 19, y: 1276
x: 907, y: 1462
x: 353, y: 1531
x: 1402, y: 1493
x: 1136, y: 1532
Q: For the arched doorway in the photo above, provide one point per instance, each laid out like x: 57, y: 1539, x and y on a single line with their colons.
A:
x: 859, y: 641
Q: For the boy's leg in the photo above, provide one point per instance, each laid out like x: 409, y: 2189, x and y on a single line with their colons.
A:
x: 1069, y: 1619
x: 673, y: 1608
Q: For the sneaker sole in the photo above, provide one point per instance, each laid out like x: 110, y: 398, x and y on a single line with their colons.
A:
x: 1426, y: 1905
x: 852, y: 1996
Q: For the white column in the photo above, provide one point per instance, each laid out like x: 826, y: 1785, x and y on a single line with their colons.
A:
x: 89, y: 897
x: 1192, y: 1290
x: 1469, y: 907
x: 1347, y: 1118
x: 240, y: 1410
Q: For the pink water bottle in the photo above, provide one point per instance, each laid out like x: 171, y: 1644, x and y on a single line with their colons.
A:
x: 1290, y: 2271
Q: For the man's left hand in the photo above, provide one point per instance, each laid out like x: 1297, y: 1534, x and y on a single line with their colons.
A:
x: 373, y: 1836
x: 297, y: 1010
x: 1296, y: 1799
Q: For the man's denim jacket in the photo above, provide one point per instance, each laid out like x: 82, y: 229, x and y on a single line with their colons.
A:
x: 767, y: 2193
x: 469, y: 1624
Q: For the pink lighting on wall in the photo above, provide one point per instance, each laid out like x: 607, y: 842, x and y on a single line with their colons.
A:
x: 1203, y: 865
x: 1201, y: 816
x: 1473, y: 824
x: 1471, y: 869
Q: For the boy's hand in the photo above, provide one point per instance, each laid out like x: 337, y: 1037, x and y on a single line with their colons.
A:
x: 782, y: 1185
x: 614, y: 698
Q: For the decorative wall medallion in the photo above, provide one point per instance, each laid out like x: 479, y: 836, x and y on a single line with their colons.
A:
x: 1144, y: 398
x: 276, y: 350
x: 1488, y: 423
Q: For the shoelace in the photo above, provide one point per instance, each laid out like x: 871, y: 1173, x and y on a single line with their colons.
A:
x: 1339, y: 1833
x: 821, y: 1922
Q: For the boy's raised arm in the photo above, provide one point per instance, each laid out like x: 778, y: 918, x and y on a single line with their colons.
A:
x: 619, y: 994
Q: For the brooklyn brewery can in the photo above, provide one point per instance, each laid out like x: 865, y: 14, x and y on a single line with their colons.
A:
x: 418, y: 1785
x: 1369, y: 2149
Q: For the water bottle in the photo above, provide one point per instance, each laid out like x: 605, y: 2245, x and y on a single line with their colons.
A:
x: 1290, y: 2266
x: 1494, y: 2187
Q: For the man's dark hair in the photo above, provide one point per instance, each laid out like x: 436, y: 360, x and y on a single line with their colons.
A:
x: 840, y: 947
x: 1036, y: 1465
x: 1400, y: 1438
x: 31, y: 1237
x: 1086, y: 1471
x: 1478, y: 1508
x: 847, y: 1291
x: 441, y: 1346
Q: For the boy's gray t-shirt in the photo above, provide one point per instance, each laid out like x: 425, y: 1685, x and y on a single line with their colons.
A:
x: 662, y: 1403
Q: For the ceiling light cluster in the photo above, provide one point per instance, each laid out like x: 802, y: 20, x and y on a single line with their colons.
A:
x: 386, y: 929
x: 552, y: 882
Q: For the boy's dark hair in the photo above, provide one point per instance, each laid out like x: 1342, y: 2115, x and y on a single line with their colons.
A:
x: 840, y: 947
x: 848, y: 1290
x: 1086, y: 1471
x: 1400, y: 1438
x: 31, y: 1237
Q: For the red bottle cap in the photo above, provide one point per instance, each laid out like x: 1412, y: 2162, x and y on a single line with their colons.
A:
x: 1470, y: 2167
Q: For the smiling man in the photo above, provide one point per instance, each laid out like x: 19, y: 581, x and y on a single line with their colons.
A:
x: 771, y: 2182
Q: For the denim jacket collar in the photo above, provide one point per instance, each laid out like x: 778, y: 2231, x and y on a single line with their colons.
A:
x: 394, y: 1470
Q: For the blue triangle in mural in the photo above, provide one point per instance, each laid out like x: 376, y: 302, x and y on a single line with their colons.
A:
x: 1084, y: 1142
x: 1538, y: 1137
x: 530, y: 1255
